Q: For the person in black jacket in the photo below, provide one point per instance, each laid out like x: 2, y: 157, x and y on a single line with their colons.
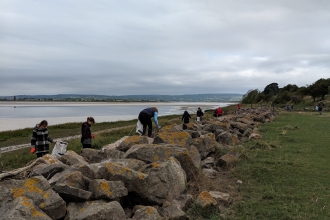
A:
x: 145, y: 119
x: 86, y: 134
x: 185, y: 117
x: 40, y: 139
x: 199, y: 114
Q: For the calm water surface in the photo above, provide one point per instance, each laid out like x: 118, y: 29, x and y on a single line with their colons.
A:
x: 26, y: 114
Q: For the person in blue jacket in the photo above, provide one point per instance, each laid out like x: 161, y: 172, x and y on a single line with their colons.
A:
x: 145, y: 119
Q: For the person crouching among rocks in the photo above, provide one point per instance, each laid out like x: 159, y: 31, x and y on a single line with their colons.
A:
x: 86, y: 134
x: 145, y: 119
x: 40, y: 139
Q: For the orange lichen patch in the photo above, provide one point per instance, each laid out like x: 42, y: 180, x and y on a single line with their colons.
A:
x: 49, y: 158
x: 30, y: 185
x: 141, y: 176
x: 150, y: 210
x: 155, y: 165
x: 109, y: 167
x: 17, y: 192
x: 156, y: 158
x: 168, y: 152
x: 46, y: 195
x: 119, y: 171
x: 42, y: 205
x: 28, y: 204
x: 129, y: 173
x: 106, y: 188
x: 206, y: 198
x: 82, y: 209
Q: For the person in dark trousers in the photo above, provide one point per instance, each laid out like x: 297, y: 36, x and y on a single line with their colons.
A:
x: 199, y: 114
x: 40, y: 139
x: 185, y: 117
x: 320, y: 107
x: 145, y: 119
x: 86, y: 134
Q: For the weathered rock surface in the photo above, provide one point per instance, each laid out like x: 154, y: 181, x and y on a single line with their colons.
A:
x: 103, y: 189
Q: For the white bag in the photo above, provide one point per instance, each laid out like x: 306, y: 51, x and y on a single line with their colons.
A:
x: 198, y: 119
x: 59, y: 149
x: 139, y: 127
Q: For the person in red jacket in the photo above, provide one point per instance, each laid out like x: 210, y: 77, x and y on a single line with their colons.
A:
x: 218, y: 112
x: 238, y: 106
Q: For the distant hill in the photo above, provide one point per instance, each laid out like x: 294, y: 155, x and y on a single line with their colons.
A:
x: 222, y: 97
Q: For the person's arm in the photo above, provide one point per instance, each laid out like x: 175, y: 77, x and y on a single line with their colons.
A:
x: 156, y: 118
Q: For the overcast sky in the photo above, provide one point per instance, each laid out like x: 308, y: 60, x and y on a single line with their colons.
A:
x: 161, y: 47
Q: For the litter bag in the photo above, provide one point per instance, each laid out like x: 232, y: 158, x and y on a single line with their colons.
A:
x: 139, y: 127
x: 59, y: 149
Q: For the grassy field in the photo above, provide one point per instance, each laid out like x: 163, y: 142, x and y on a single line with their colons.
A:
x: 287, y: 174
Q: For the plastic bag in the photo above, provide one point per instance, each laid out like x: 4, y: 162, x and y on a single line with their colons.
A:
x: 139, y: 127
x: 59, y: 149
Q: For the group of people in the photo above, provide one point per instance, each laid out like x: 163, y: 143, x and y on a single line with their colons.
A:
x: 40, y: 136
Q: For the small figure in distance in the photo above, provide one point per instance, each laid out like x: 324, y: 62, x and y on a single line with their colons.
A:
x: 218, y: 112
x: 145, y: 119
x: 185, y: 117
x: 40, y: 139
x: 288, y: 108
x: 320, y: 107
x: 291, y: 107
x: 86, y: 134
x: 199, y: 114
x: 238, y: 106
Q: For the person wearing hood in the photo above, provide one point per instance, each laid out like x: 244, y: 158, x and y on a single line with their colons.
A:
x: 40, y: 139
x: 145, y: 119
x: 86, y: 134
x: 185, y: 117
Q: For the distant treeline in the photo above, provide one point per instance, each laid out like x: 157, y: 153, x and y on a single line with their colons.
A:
x: 289, y: 93
x: 222, y: 97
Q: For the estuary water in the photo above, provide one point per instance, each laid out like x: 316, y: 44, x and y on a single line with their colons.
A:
x: 17, y: 115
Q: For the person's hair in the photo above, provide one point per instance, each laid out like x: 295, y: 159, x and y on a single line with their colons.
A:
x: 43, y: 122
x: 91, y: 119
x: 156, y: 109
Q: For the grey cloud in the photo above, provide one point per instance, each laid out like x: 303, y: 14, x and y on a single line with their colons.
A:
x: 171, y: 47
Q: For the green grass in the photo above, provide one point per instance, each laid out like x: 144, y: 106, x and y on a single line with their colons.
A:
x: 290, y: 180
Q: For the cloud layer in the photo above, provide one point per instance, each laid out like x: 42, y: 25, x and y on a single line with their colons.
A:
x: 161, y: 47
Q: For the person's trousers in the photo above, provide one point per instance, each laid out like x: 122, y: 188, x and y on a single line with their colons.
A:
x: 41, y: 154
x: 87, y: 146
x: 146, y: 121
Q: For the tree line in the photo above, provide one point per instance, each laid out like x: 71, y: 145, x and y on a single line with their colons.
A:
x: 289, y: 93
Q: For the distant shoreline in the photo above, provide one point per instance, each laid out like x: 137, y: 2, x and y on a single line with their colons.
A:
x: 70, y: 103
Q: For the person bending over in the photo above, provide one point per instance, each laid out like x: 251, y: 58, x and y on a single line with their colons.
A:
x: 145, y: 119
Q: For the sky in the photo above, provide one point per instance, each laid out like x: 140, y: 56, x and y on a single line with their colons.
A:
x: 172, y: 47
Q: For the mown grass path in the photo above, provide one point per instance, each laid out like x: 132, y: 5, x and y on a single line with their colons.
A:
x: 291, y: 179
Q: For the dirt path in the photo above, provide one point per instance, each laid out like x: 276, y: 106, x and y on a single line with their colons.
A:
x: 17, y: 147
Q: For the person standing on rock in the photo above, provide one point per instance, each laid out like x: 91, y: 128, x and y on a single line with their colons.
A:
x: 145, y: 119
x: 199, y: 114
x: 86, y: 134
x: 40, y: 139
x: 218, y: 112
x: 185, y: 117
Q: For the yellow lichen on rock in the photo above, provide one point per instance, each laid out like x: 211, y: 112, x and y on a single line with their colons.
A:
x: 17, y: 192
x: 150, y: 210
x: 106, y: 188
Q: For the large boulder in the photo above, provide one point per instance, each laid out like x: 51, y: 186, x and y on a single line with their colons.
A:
x: 103, y: 189
x: 205, y: 200
x: 70, y: 158
x: 147, y: 213
x: 95, y: 210
x: 226, y: 138
x: 189, y: 160
x: 48, y: 170
x: 22, y: 208
x: 96, y: 156
x: 132, y: 140
x: 37, y: 189
x: 182, y: 139
x: 131, y: 163
x: 205, y: 144
x: 240, y: 126
x: 73, y: 186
